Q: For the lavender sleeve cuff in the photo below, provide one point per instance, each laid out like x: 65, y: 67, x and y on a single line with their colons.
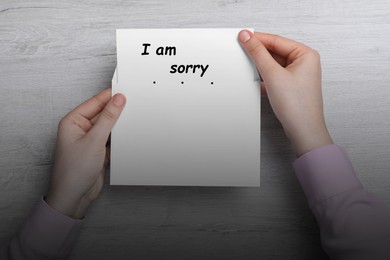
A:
x: 49, y: 232
x: 325, y: 172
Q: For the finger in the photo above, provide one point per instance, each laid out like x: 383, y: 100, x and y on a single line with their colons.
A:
x: 279, y: 59
x: 266, y: 65
x: 284, y: 47
x: 94, y: 119
x: 94, y: 105
x: 107, y: 119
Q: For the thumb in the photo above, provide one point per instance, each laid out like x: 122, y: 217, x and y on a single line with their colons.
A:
x: 107, y: 119
x: 265, y: 63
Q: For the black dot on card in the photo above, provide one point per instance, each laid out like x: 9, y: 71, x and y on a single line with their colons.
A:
x: 182, y: 82
x: 212, y: 83
x: 154, y: 82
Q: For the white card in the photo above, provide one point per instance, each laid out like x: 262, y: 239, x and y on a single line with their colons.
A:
x: 193, y: 109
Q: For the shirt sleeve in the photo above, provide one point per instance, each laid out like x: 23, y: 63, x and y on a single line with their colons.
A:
x: 46, y: 234
x: 354, y: 224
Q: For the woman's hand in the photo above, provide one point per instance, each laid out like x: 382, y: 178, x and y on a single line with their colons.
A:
x: 292, y: 81
x: 82, y: 153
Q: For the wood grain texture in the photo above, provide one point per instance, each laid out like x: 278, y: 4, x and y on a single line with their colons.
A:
x: 56, y: 54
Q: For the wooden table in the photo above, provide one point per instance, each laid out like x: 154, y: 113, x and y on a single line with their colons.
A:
x: 54, y: 55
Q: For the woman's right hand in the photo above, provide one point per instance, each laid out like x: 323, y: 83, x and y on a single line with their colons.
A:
x: 291, y: 73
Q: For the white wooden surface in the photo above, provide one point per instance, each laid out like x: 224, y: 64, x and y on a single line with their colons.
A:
x: 55, y: 54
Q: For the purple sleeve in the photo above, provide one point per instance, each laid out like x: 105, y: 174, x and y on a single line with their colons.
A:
x: 354, y: 224
x: 46, y: 234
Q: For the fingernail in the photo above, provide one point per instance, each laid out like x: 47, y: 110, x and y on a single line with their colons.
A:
x: 118, y: 100
x: 244, y: 36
